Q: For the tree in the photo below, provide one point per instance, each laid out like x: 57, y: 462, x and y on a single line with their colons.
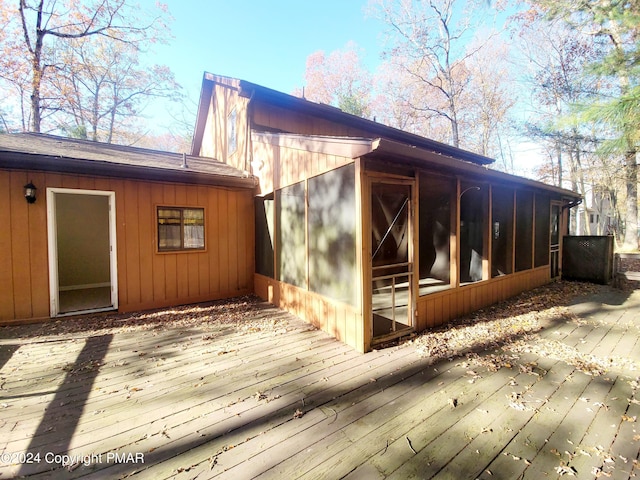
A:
x: 428, y: 38
x: 101, y: 85
x: 615, y: 25
x: 28, y: 62
x: 392, y: 104
x: 488, y: 101
x: 339, y: 79
x: 555, y: 56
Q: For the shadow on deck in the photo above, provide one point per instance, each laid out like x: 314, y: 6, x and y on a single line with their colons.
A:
x: 544, y: 385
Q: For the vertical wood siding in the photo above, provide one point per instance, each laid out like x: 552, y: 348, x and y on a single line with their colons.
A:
x: 439, y: 308
x: 347, y: 324
x: 146, y: 278
x: 342, y: 321
x: 282, y: 166
x: 214, y: 142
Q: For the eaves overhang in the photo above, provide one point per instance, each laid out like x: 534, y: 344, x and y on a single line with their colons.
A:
x: 48, y: 153
x: 372, y: 128
x: 25, y: 161
x: 385, y: 149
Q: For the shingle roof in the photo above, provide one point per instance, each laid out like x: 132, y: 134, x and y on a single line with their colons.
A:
x: 367, y: 128
x: 51, y: 153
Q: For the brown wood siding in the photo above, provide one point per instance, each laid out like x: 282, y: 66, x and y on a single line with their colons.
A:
x: 146, y: 278
x: 273, y: 118
x: 215, y: 138
x: 439, y: 308
x: 347, y: 324
x: 342, y: 321
x: 283, y: 166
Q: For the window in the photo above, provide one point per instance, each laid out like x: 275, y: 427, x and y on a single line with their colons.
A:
x: 232, y: 133
x: 180, y: 228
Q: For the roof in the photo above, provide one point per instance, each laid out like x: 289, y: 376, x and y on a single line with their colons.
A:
x: 35, y: 151
x: 369, y: 128
x: 384, y: 148
x: 397, y: 152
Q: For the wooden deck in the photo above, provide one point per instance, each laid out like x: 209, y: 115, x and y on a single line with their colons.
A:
x: 246, y: 391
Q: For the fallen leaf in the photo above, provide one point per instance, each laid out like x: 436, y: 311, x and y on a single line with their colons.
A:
x: 566, y: 470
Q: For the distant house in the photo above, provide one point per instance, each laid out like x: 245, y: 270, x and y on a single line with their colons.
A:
x: 118, y: 228
x: 369, y: 232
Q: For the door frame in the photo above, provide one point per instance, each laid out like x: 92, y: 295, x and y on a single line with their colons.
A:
x: 555, y: 249
x: 391, y: 179
x: 52, y: 242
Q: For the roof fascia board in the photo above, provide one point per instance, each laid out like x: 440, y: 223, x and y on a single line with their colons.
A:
x: 423, y: 157
x: 336, y: 115
x: 206, y: 91
x: 27, y: 161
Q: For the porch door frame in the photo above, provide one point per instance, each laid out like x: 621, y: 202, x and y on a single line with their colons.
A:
x: 555, y: 249
x: 374, y: 178
x: 52, y: 241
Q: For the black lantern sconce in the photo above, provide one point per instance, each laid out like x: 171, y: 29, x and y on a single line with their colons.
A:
x: 30, y: 192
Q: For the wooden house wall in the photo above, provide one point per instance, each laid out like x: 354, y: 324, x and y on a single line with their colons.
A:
x: 216, y: 133
x: 280, y: 166
x: 342, y: 321
x: 439, y: 308
x: 146, y: 278
x: 272, y: 118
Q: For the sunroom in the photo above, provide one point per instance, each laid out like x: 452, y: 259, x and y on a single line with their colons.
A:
x: 396, y: 239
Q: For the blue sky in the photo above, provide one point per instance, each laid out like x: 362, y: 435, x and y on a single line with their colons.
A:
x: 264, y: 42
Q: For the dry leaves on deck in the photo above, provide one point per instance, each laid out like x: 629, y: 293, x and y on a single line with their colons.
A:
x: 241, y: 315
x: 502, y: 325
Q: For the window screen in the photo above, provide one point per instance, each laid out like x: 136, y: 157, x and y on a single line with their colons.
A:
x: 543, y: 230
x: 524, y: 230
x: 501, y: 231
x: 291, y: 246
x: 332, y: 235
x: 473, y: 214
x: 435, y: 199
x: 265, y: 235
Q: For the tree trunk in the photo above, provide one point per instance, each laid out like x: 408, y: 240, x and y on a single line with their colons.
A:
x: 95, y: 115
x: 37, y: 70
x: 35, y: 97
x: 455, y: 136
x: 631, y: 223
x: 559, y: 157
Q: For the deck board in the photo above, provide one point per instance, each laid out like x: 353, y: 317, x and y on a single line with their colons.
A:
x: 277, y: 398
